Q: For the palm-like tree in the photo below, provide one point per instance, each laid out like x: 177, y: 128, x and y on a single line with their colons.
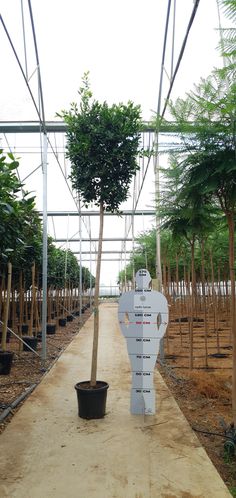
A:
x: 190, y: 220
x: 209, y: 162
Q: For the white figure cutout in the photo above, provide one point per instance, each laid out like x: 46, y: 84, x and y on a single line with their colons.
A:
x: 143, y: 318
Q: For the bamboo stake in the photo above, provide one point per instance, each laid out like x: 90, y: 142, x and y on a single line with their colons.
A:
x: 13, y: 307
x: 32, y: 300
x: 36, y: 311
x: 57, y: 306
x: 6, y: 307
x: 96, y: 302
x: 49, y: 304
x: 21, y: 307
x: 26, y: 307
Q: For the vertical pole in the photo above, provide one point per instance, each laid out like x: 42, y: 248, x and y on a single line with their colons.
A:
x: 66, y: 258
x: 156, y: 159
x: 158, y: 232
x: 96, y: 300
x: 24, y: 39
x: 157, y: 171
x: 80, y: 261
x: 45, y: 248
x: 125, y: 254
x: 6, y: 307
x: 133, y: 283
x: 173, y: 41
x: 132, y: 224
x: 32, y: 306
x: 90, y: 265
x: 158, y: 220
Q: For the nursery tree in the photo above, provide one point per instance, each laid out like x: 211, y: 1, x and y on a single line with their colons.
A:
x: 102, y: 145
x: 209, y: 162
x: 63, y: 266
x: 20, y: 226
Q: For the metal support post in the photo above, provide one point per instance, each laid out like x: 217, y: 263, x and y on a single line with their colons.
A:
x: 45, y: 248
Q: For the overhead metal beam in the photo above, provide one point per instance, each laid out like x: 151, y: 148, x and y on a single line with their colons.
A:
x: 94, y: 260
x: 31, y: 127
x: 60, y: 127
x: 125, y: 212
x: 103, y: 252
x: 96, y: 239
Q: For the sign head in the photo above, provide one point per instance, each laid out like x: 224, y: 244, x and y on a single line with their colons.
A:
x: 143, y: 278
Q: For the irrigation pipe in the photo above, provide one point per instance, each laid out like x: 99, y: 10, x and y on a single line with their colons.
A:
x: 213, y: 433
x: 169, y: 371
x: 16, y: 402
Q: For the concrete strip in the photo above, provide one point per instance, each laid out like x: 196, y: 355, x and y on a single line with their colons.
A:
x: 47, y: 451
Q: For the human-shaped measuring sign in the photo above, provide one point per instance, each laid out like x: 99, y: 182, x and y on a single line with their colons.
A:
x: 143, y: 318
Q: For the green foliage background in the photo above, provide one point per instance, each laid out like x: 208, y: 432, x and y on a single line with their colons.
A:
x: 21, y: 235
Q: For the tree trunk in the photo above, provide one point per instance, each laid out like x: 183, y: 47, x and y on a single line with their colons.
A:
x: 168, y: 279
x: 177, y: 274
x: 6, y: 308
x: 214, y: 302
x: 31, y: 323
x: 192, y: 306
x: 96, y: 301
x: 230, y: 220
x: 49, y: 304
x: 204, y: 301
x: 164, y: 275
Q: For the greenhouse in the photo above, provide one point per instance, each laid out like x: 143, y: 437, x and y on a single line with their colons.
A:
x: 118, y: 198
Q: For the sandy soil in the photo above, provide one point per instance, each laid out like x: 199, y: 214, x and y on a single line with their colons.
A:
x: 204, y: 393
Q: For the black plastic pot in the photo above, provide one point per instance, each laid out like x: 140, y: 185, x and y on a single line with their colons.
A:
x: 51, y: 328
x: 6, y: 358
x: 69, y: 318
x: 30, y: 341
x: 62, y: 322
x: 91, y: 400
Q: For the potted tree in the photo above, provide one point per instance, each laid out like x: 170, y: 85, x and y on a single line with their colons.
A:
x: 102, y: 145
